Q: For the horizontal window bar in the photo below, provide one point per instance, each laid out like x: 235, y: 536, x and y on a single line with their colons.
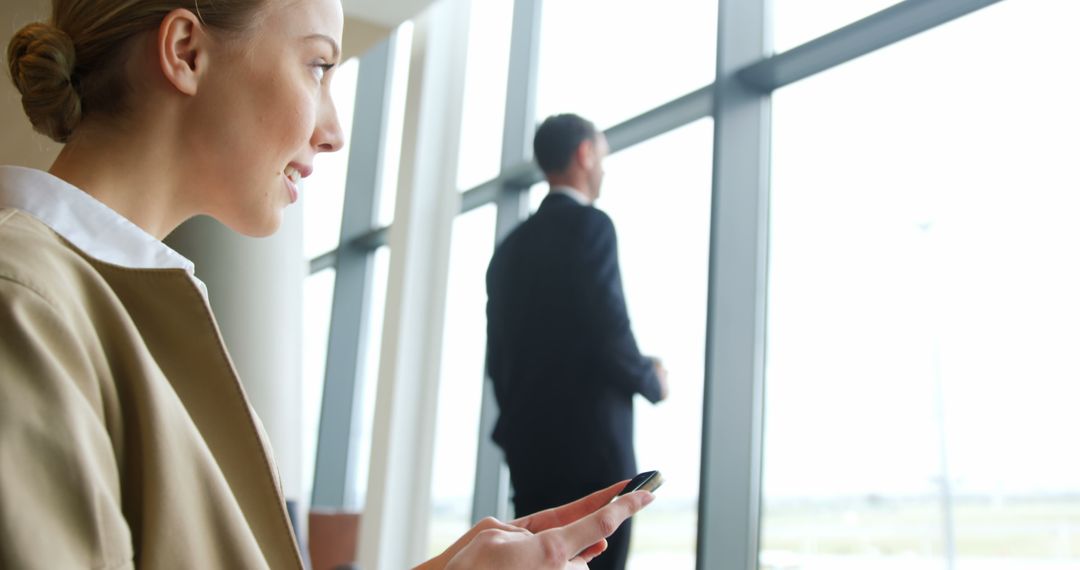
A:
x: 874, y: 32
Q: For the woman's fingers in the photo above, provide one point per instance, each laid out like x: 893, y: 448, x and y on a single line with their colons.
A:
x: 492, y: 522
x: 593, y: 551
x: 582, y: 534
x: 568, y: 513
x: 496, y: 545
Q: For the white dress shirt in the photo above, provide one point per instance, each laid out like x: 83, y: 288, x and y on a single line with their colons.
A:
x: 91, y: 226
x: 574, y: 193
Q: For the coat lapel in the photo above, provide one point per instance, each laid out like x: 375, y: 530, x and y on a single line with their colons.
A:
x: 180, y: 332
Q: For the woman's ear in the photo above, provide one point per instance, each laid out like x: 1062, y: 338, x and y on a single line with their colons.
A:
x: 182, y: 50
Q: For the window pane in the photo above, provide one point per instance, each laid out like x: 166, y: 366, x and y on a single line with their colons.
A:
x: 486, y: 69
x: 661, y: 217
x: 395, y: 125
x: 923, y: 310
x: 318, y: 297
x: 368, y: 377
x: 461, y: 377
x: 609, y: 60
x: 796, y: 22
x: 537, y: 193
x: 323, y: 192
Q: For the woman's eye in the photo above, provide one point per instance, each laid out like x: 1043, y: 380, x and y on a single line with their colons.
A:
x: 321, y: 69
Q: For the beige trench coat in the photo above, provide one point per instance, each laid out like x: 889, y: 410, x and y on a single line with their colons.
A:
x: 126, y: 440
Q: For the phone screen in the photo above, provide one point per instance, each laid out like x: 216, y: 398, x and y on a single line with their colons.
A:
x: 646, y: 481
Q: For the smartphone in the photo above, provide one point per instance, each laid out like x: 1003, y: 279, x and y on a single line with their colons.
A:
x: 646, y: 481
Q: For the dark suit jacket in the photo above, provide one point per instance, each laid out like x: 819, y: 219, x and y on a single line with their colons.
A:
x: 561, y: 354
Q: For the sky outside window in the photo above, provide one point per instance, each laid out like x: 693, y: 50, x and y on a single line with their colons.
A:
x: 609, y: 60
x: 923, y: 307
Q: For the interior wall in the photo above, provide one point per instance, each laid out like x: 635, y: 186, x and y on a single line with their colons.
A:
x: 19, y: 144
x: 359, y: 36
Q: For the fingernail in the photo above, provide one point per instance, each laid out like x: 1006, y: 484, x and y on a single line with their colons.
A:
x: 648, y: 498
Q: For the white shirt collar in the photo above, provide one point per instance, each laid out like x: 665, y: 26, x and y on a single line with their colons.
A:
x: 574, y: 193
x: 90, y: 225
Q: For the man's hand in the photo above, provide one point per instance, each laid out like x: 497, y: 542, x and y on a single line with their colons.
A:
x: 661, y: 374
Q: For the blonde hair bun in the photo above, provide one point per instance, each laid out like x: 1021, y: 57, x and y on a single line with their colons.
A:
x: 41, y: 58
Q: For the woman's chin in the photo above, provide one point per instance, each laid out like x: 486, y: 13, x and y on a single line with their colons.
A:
x: 259, y: 228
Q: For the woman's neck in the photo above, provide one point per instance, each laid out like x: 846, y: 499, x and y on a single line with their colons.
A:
x: 134, y: 173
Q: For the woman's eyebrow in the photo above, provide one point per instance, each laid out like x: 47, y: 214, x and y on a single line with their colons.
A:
x: 333, y: 43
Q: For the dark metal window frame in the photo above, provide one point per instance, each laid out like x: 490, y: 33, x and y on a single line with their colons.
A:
x: 738, y: 102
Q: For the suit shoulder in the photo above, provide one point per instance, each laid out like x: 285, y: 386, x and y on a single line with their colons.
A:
x: 597, y: 222
x: 597, y: 215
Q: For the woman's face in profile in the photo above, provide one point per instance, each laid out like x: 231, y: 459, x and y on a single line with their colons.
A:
x: 264, y: 112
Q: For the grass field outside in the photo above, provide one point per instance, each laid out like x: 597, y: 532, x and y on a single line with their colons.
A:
x: 869, y: 533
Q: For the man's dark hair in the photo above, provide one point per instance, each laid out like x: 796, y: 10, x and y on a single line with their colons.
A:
x: 558, y: 138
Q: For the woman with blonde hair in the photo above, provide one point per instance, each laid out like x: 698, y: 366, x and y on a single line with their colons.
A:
x: 126, y: 439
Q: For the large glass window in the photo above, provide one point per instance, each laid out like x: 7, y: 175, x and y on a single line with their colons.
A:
x: 318, y: 297
x: 461, y: 376
x: 323, y: 195
x: 658, y: 195
x: 486, y: 70
x: 323, y: 208
x: 609, y: 60
x: 922, y: 367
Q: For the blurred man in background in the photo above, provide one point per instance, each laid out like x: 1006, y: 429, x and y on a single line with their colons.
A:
x: 561, y: 354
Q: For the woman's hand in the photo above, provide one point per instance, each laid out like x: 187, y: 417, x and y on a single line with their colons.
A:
x: 562, y: 538
x: 571, y: 512
x: 488, y: 524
